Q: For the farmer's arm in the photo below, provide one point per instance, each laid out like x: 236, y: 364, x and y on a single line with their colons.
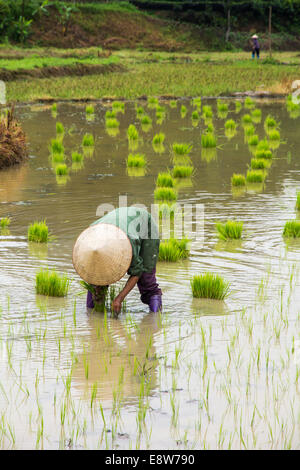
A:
x: 117, y: 302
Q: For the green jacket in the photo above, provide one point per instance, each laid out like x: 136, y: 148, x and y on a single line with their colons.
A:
x: 142, y: 231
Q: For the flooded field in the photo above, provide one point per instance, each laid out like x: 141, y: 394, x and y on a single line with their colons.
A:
x: 204, y: 374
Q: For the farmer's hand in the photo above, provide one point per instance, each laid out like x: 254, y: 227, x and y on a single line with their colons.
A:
x: 116, y: 305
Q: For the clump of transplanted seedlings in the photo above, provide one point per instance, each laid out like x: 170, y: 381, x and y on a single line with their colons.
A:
x: 182, y: 148
x: 56, y: 148
x: 60, y: 130
x: 164, y: 180
x: 132, y: 133
x: 146, y: 120
x: 247, y: 120
x: 181, y: 171
x: 222, y: 108
x: 139, y: 111
x: 259, y: 164
x: 207, y: 112
x: 270, y: 123
x: 197, y: 102
x: 238, y: 106
x: 5, y: 222
x: 152, y: 102
x: 173, y: 104
x: 183, y: 111
x: 292, y: 229
x: 249, y: 103
x: 230, y: 124
x: 253, y: 140
x: 298, y: 201
x: 165, y: 194
x: 118, y: 106
x: 173, y: 249
x: 51, y: 283
x: 110, y: 114
x: 136, y: 160
x: 61, y: 169
x: 89, y: 110
x: 231, y: 229
x: 159, y: 138
x: 274, y: 134
x: 255, y: 176
x: 88, y: 140
x: 112, y: 123
x: 209, y: 286
x: 238, y: 180
x: 208, y: 140
x: 195, y: 115
x: 77, y: 157
x: 38, y: 232
x: 256, y: 115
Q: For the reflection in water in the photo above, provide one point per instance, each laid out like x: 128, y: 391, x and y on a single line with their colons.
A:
x: 203, y: 307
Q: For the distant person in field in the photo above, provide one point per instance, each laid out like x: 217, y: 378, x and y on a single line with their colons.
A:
x: 255, y: 46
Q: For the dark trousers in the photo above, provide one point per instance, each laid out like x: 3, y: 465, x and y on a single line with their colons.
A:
x: 255, y: 51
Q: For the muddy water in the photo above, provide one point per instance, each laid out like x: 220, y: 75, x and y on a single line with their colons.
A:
x: 191, y: 402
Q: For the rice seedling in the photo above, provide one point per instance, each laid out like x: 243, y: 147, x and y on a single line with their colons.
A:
x: 195, y: 116
x: 146, y: 120
x: 77, y: 157
x: 164, y: 180
x: 292, y: 229
x: 88, y: 140
x: 89, y: 109
x: 165, y: 194
x: 208, y: 140
x: 110, y: 114
x: 238, y: 180
x: 140, y: 111
x: 249, y: 131
x: 274, y: 134
x: 183, y: 111
x: 118, y: 106
x: 259, y: 164
x: 137, y: 160
x: 230, y: 230
x: 182, y: 171
x: 173, y: 104
x: 255, y: 176
x: 238, y: 106
x: 5, y: 222
x: 253, y: 140
x: 249, y: 103
x: 54, y: 107
x: 112, y: 123
x: 182, y: 148
x: 173, y: 250
x: 56, y: 147
x: 209, y: 286
x: 152, y: 102
x: 230, y: 124
x: 270, y: 122
x: 207, y: 112
x: 298, y: 201
x: 38, y: 232
x: 158, y: 138
x: 52, y: 284
x: 132, y: 132
x: 57, y: 158
x: 256, y: 116
x: 60, y: 130
x: 267, y: 154
x: 61, y: 169
x: 246, y: 120
x: 222, y: 107
x: 197, y: 101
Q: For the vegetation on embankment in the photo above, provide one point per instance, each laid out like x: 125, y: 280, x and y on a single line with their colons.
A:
x: 12, y: 141
x: 144, y: 78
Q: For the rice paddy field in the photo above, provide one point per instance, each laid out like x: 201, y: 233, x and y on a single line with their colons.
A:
x: 204, y: 373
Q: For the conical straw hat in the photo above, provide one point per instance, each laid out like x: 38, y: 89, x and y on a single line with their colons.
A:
x: 254, y: 36
x: 102, y: 254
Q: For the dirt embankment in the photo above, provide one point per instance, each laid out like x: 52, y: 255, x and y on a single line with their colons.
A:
x: 13, y: 147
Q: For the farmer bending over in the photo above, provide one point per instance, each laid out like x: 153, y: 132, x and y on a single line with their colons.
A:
x: 124, y: 240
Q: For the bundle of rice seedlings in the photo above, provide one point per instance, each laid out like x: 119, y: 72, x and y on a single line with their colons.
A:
x: 195, y: 116
x: 274, y: 134
x: 173, y: 250
x: 136, y: 160
x: 249, y: 131
x: 182, y: 148
x: 267, y: 154
x: 77, y: 157
x: 56, y: 147
x: 223, y: 107
x: 57, y: 158
x: 152, y: 102
x: 181, y: 171
x: 246, y: 120
x: 5, y: 222
x: 253, y: 140
x: 88, y: 140
x: 230, y: 230
x: 183, y: 111
x: 112, y: 123
x: 209, y: 286
x: 146, y: 120
x: 165, y: 194
x: 110, y: 114
x: 238, y: 180
x: 173, y: 104
x: 132, y: 132
x: 259, y: 164
x: 238, y: 106
x: 140, y: 111
x: 256, y: 115
x: 230, y: 124
x: 61, y: 169
x: 60, y: 130
x: 207, y: 112
x: 298, y: 202
x: 54, y: 107
x: 52, y: 284
x: 263, y: 145
x: 270, y: 122
x: 292, y: 229
x: 255, y: 176
x: 208, y: 140
x: 158, y: 138
x: 89, y: 109
x: 118, y: 106
x: 249, y: 103
x: 197, y: 101
x: 38, y: 232
x: 164, y: 180
x: 210, y: 128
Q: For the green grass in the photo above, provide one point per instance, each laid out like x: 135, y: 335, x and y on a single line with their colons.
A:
x: 209, y: 286
x: 230, y: 230
x: 173, y: 250
x: 132, y: 132
x: 255, y: 176
x: 181, y: 171
x: 165, y: 194
x: 238, y: 180
x: 182, y: 148
x: 77, y: 157
x: 164, y: 180
x: 88, y: 140
x: 61, y: 169
x: 208, y: 140
x: 52, y: 284
x: 136, y: 160
x: 5, y: 222
x: 292, y: 229
x: 158, y: 138
x: 38, y: 232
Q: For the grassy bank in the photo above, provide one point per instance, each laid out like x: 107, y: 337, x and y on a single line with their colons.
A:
x: 169, y: 74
